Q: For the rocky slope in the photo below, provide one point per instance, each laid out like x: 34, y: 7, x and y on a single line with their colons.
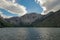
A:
x: 50, y: 20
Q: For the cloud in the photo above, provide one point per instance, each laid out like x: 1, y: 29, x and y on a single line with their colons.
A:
x: 13, y: 7
x: 49, y: 5
x: 4, y: 16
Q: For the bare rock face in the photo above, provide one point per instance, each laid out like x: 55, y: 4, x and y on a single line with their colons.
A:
x: 29, y: 18
x: 26, y: 19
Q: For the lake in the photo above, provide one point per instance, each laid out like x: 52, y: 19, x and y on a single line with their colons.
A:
x: 29, y: 33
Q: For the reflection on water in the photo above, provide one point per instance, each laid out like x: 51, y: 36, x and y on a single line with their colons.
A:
x: 29, y: 33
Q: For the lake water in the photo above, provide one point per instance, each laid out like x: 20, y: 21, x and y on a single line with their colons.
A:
x: 29, y: 33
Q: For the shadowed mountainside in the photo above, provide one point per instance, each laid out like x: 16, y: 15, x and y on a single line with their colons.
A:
x: 50, y: 20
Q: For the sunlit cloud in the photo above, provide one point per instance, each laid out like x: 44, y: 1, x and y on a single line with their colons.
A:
x: 13, y: 7
x: 49, y: 5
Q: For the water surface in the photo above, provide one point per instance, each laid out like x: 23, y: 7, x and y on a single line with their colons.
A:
x: 29, y: 33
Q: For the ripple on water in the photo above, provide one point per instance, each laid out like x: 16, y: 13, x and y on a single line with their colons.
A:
x: 30, y: 34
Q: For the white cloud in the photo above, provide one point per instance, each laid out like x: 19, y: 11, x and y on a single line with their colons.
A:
x: 13, y: 7
x: 49, y: 5
x: 4, y: 16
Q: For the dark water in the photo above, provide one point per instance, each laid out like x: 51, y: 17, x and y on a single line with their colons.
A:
x: 29, y: 33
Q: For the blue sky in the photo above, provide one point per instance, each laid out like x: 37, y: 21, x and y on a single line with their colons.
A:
x: 31, y: 6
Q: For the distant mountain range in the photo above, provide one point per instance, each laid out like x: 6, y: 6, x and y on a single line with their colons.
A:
x: 52, y: 19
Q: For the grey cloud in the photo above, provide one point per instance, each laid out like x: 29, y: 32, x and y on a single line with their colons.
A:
x: 50, y: 5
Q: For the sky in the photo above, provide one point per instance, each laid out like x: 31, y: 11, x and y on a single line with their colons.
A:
x: 30, y: 5
x: 10, y: 8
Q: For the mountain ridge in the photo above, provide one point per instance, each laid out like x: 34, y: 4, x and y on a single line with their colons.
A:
x: 35, y: 20
x: 50, y: 20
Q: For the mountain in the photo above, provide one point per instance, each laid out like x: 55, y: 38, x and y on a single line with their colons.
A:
x: 13, y: 20
x: 29, y: 18
x: 52, y: 19
x: 4, y: 23
x: 24, y: 20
